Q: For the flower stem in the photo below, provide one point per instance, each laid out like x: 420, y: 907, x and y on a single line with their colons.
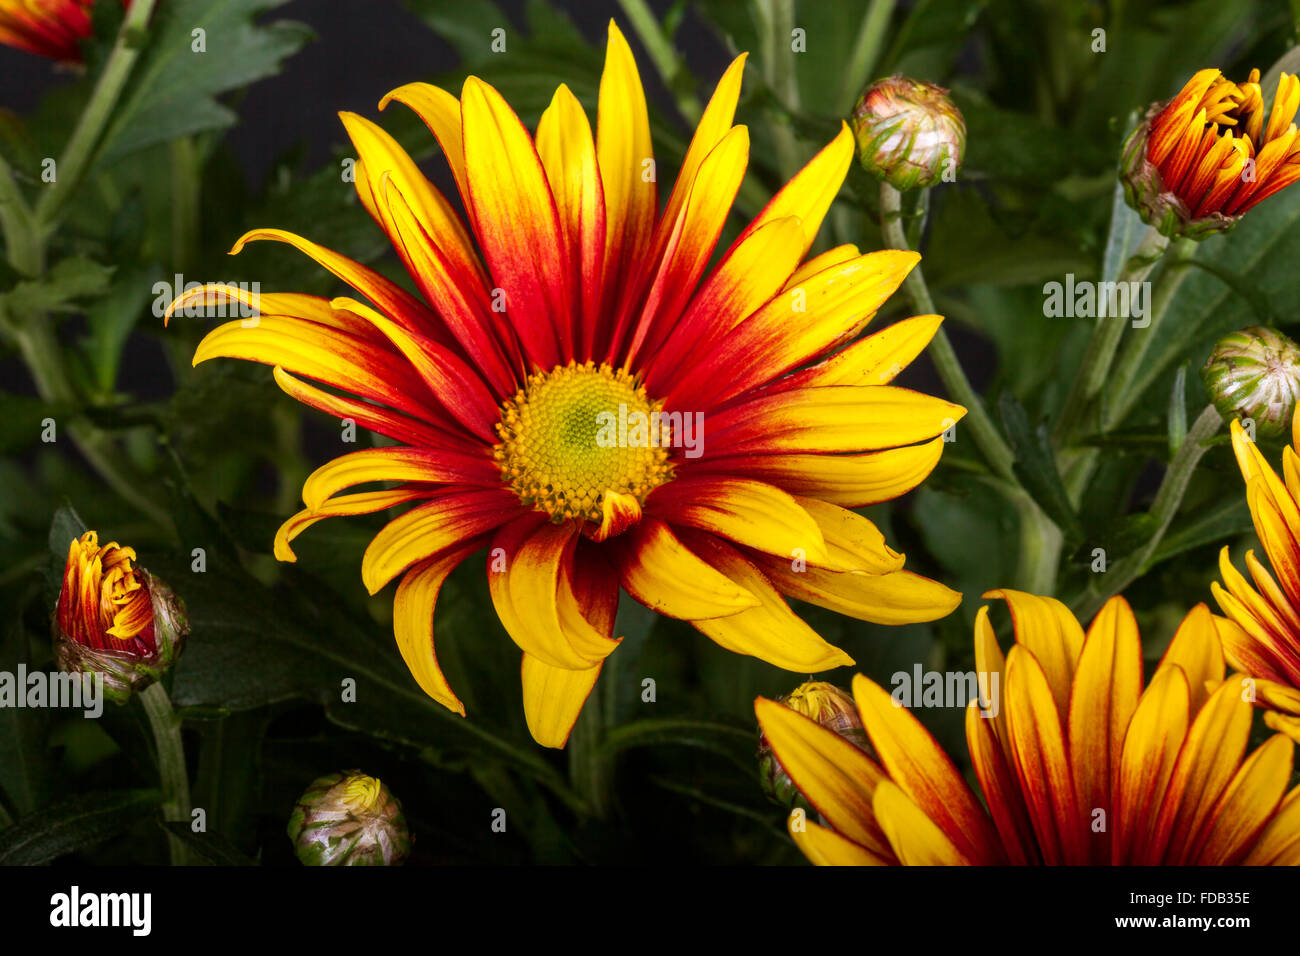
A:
x: 166, y: 727
x: 665, y: 59
x: 776, y: 26
x: 865, y: 53
x: 996, y: 451
x: 1132, y: 357
x: 1106, y: 335
x: 41, y: 353
x: 1166, y: 504
x: 589, y: 769
x: 79, y: 152
x: 1040, y: 539
x: 185, y: 201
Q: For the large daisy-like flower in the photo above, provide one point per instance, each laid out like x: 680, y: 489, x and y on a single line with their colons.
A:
x: 1078, y: 764
x: 1197, y: 163
x: 1264, y: 639
x: 583, y: 398
x: 52, y: 28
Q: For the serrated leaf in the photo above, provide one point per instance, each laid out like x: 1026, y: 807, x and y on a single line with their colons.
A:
x: 67, y: 281
x: 77, y: 824
x: 173, y: 89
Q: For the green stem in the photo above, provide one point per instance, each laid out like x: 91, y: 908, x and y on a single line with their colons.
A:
x: 1040, y: 548
x: 41, y: 353
x: 994, y: 448
x: 865, y: 53
x: 185, y: 201
x: 166, y: 727
x: 776, y: 26
x: 1167, y: 501
x: 1040, y: 539
x: 79, y: 152
x: 1135, y: 350
x: 665, y: 59
x: 1106, y: 334
x: 590, y: 771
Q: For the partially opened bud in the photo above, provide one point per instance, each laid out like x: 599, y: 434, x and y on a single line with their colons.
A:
x: 909, y: 133
x: 1255, y: 374
x: 1197, y: 163
x: 349, y: 819
x: 829, y: 706
x: 116, y: 619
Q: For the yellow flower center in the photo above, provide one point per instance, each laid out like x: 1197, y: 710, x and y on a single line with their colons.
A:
x: 579, y: 434
x: 361, y: 793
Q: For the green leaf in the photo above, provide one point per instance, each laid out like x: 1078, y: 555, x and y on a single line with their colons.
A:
x: 1227, y: 518
x: 24, y: 764
x: 251, y: 646
x: 70, y: 279
x: 209, y: 848
x: 728, y: 740
x: 173, y: 89
x: 111, y: 320
x: 1125, y: 234
x: 1036, y: 467
x: 77, y: 824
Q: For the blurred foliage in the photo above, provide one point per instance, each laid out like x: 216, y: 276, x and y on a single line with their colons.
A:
x: 223, y: 452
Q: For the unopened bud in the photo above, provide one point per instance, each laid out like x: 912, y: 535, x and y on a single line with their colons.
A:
x: 1255, y: 373
x: 115, y: 618
x: 909, y: 133
x: 349, y: 819
x: 829, y: 706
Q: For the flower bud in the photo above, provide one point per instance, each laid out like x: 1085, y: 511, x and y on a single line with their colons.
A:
x: 349, y: 819
x: 1189, y: 169
x: 1255, y: 374
x: 909, y: 133
x: 829, y: 706
x: 116, y: 619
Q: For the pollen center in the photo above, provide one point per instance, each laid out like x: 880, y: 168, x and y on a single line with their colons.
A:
x: 578, y: 433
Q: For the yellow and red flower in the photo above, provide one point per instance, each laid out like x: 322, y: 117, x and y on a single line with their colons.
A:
x: 115, y: 618
x: 1078, y: 763
x: 1263, y: 636
x: 53, y: 28
x: 522, y: 389
x: 1196, y: 164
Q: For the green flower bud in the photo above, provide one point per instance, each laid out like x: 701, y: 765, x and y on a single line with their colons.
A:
x: 909, y: 133
x: 1255, y: 374
x: 349, y: 819
x: 116, y: 619
x: 829, y: 706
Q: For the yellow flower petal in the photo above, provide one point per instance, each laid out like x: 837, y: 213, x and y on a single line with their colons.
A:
x: 918, y: 765
x: 413, y: 609
x: 771, y: 631
x: 553, y: 698
x: 663, y: 574
x: 836, y: 777
x: 825, y: 847
x: 916, y: 838
x: 1106, y: 690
